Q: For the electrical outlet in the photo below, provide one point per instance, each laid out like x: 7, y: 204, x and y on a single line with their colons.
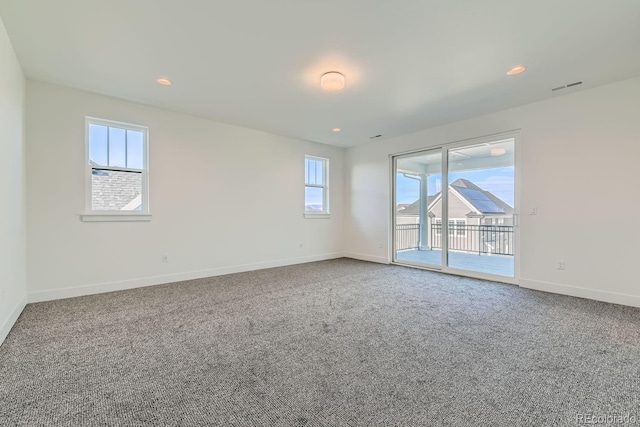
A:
x: 379, y: 245
x: 300, y: 245
x: 561, y: 265
x: 165, y: 258
x: 533, y: 211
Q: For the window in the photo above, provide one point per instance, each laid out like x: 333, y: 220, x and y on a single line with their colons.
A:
x: 316, y: 187
x: 460, y: 226
x: 457, y: 227
x: 117, y: 171
x: 438, y: 226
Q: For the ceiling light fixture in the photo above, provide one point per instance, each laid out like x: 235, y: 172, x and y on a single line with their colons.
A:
x: 332, y: 81
x: 516, y: 70
x: 336, y: 129
x: 495, y: 152
x: 164, y: 82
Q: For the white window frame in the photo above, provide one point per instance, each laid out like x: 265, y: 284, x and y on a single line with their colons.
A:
x: 326, y: 213
x: 91, y: 215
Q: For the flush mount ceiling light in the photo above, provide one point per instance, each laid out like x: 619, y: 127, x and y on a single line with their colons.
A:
x: 336, y: 129
x: 495, y: 152
x: 164, y: 82
x: 332, y: 81
x: 516, y: 70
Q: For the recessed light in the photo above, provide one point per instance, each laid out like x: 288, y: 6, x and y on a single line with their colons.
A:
x: 336, y: 129
x: 495, y: 152
x: 164, y: 82
x: 332, y: 81
x: 516, y: 70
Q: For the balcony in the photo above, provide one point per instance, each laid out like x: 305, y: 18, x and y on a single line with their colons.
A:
x: 481, y: 248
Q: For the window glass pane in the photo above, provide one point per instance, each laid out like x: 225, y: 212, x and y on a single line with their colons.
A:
x: 116, y: 191
x: 306, y: 171
x: 98, y: 145
x: 134, y: 149
x: 314, y: 175
x: 117, y: 149
x: 319, y: 172
x: 314, y: 199
x: 314, y: 172
x: 311, y: 171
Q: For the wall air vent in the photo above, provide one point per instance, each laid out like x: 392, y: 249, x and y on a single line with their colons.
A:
x: 375, y: 137
x: 566, y: 86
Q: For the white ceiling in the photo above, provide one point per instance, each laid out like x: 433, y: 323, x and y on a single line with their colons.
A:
x: 409, y: 64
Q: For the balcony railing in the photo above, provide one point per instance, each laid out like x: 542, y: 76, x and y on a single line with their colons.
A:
x: 481, y: 239
x: 407, y: 236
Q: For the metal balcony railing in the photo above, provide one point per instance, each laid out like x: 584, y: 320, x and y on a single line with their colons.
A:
x: 407, y: 236
x: 481, y: 239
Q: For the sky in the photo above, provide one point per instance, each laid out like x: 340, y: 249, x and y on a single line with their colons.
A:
x: 123, y: 148
x: 499, y: 181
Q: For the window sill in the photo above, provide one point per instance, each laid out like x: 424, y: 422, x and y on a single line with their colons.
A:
x: 312, y: 215
x: 112, y: 217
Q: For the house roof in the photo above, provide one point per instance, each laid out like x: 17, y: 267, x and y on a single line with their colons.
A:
x: 114, y: 190
x: 414, y: 208
x: 484, y: 202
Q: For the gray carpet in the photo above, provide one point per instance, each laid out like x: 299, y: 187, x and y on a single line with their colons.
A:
x: 331, y: 343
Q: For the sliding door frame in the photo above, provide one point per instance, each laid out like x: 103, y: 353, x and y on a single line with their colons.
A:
x: 444, y: 148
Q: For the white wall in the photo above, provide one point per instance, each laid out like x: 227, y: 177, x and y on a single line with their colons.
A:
x: 12, y: 188
x: 223, y: 199
x: 580, y: 155
x: 228, y: 199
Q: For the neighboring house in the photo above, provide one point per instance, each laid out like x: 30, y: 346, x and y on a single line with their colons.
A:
x: 468, y: 204
x: 469, y: 207
x: 116, y: 190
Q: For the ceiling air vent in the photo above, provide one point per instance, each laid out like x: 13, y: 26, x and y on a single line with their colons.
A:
x: 566, y: 86
x: 375, y: 137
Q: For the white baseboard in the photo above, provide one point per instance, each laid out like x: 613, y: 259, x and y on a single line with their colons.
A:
x: 575, y: 291
x: 99, y: 288
x: 11, y: 320
x: 366, y: 257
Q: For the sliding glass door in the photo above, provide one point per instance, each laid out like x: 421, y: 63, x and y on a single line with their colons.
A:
x: 455, y: 208
x: 418, y: 187
x: 480, y: 210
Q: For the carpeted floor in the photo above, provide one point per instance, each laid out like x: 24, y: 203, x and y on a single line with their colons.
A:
x: 331, y: 343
